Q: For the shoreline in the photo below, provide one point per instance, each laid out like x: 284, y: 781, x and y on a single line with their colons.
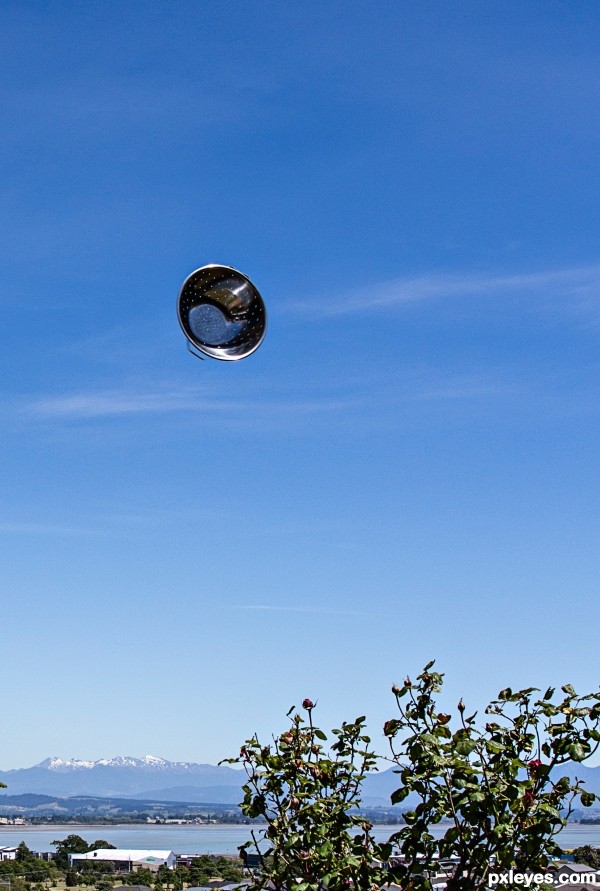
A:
x: 31, y: 827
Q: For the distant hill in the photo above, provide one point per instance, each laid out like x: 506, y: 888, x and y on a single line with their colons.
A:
x: 589, y: 776
x: 28, y: 801
x: 97, y: 808
x: 198, y: 794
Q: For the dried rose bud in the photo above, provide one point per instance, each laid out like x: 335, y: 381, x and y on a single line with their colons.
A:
x: 395, y: 689
x: 461, y: 706
x: 407, y: 682
x: 308, y: 704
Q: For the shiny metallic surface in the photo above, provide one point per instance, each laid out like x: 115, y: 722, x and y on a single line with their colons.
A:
x: 221, y: 312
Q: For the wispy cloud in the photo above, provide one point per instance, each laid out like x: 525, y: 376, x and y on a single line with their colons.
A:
x: 316, y: 610
x: 463, y: 388
x: 108, y: 402
x: 99, y: 104
x: 103, y: 525
x: 118, y: 402
x: 579, y: 284
x: 25, y: 528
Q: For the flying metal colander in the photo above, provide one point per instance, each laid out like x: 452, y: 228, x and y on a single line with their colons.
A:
x: 221, y: 313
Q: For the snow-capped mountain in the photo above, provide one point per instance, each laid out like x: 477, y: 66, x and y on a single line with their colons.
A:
x: 152, y: 777
x: 117, y: 761
x: 121, y: 776
x: 157, y: 778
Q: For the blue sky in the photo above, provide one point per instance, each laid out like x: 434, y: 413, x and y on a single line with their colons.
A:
x: 407, y: 468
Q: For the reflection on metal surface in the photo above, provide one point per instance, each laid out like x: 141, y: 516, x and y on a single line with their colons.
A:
x: 221, y: 312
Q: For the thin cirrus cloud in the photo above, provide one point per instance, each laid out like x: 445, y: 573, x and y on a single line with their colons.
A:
x: 24, y: 528
x: 110, y: 402
x: 29, y: 529
x: 115, y: 403
x: 579, y: 286
x: 263, y: 607
x: 103, y: 525
x: 104, y: 104
x: 411, y: 386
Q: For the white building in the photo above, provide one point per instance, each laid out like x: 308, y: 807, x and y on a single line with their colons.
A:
x: 127, y: 859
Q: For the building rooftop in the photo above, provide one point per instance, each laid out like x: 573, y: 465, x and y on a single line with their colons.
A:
x: 133, y: 854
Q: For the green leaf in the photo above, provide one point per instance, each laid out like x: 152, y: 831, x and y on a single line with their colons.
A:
x: 577, y: 752
x: 452, y: 834
x: 399, y: 795
x: 464, y: 746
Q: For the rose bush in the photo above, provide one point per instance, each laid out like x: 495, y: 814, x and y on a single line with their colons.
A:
x: 490, y: 787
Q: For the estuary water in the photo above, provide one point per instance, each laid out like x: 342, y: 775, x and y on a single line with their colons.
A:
x: 213, y: 839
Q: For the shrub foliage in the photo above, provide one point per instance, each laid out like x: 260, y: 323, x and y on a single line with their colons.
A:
x: 488, y: 787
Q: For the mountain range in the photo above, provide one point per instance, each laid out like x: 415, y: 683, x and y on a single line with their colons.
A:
x: 126, y: 777
x: 152, y: 777
x: 156, y: 778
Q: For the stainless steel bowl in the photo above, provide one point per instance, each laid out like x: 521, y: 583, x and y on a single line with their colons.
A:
x: 221, y: 312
